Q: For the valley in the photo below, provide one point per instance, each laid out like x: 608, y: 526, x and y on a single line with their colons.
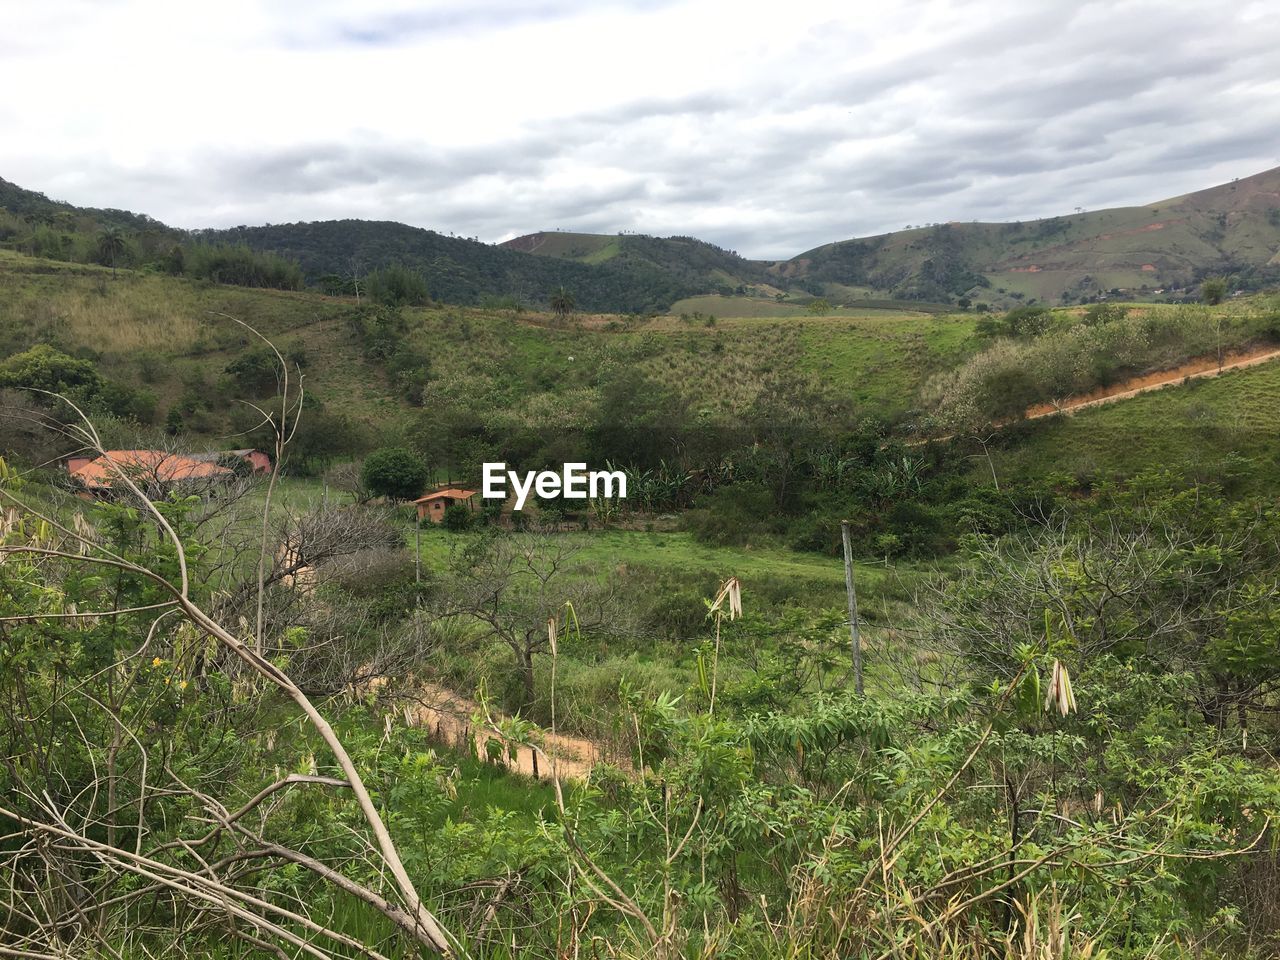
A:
x: 287, y: 703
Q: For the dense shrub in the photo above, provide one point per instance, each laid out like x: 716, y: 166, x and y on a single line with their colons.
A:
x: 733, y: 515
x: 397, y: 286
x: 394, y: 473
x: 255, y: 371
x: 240, y: 266
x: 1018, y: 322
x: 44, y: 370
x: 1002, y: 380
x: 458, y: 517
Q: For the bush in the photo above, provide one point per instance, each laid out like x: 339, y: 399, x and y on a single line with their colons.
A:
x: 1009, y: 375
x: 458, y: 517
x: 1019, y: 322
x: 733, y: 515
x: 394, y: 473
x: 241, y: 266
x: 44, y: 368
x: 397, y: 285
x: 1101, y: 313
x: 256, y: 372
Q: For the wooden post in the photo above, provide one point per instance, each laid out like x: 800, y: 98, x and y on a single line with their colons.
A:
x: 417, y: 549
x: 855, y: 639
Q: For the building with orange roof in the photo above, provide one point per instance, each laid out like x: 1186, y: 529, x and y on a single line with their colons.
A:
x: 155, y: 471
x: 433, y: 505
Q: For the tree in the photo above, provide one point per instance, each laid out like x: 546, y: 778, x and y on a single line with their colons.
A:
x: 819, y: 307
x: 1213, y: 291
x: 256, y: 371
x: 1019, y: 322
x: 512, y: 584
x: 110, y: 246
x: 394, y: 473
x: 44, y: 368
x: 562, y: 303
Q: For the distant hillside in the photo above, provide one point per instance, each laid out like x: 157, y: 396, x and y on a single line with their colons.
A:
x: 1158, y: 251
x: 693, y: 262
x: 37, y: 207
x: 463, y: 271
x: 1166, y: 246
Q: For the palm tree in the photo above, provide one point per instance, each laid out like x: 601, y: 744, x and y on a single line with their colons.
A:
x: 110, y: 246
x: 562, y: 303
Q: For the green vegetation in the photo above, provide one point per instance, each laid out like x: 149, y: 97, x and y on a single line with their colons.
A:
x: 398, y: 286
x: 1030, y: 726
x: 236, y: 265
x: 394, y: 473
x: 273, y: 717
x: 1057, y: 355
x: 1219, y: 429
x: 1161, y: 251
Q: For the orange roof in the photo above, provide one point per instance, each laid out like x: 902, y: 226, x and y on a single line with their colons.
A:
x: 151, y: 464
x: 453, y: 493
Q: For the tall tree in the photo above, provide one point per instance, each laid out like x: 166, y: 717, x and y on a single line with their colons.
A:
x: 562, y: 303
x: 110, y: 246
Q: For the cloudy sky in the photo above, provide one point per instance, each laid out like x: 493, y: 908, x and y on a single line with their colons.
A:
x: 765, y: 127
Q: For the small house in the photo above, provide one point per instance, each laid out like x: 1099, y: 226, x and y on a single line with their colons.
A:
x: 433, y: 505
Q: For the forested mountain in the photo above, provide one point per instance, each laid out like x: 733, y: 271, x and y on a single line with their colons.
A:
x: 459, y: 270
x: 692, y: 261
x: 38, y: 208
x: 1161, y: 250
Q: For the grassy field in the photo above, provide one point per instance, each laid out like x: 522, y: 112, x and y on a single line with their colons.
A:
x: 1224, y: 428
x: 172, y: 337
x: 773, y: 576
x: 757, y: 307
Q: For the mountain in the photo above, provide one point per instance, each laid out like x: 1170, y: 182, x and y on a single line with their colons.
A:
x: 38, y: 208
x: 463, y: 271
x: 1161, y: 249
x: 1231, y: 229
x: 693, y: 262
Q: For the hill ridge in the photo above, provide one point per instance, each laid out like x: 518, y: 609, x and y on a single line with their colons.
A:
x: 1231, y: 228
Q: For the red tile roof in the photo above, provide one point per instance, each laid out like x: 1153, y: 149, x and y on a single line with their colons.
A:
x: 150, y: 464
x: 454, y: 493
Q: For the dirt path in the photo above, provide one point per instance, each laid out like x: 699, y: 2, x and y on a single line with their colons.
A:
x: 449, y: 718
x: 1191, y: 370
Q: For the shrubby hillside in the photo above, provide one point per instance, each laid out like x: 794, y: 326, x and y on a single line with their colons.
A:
x: 265, y: 716
x: 1161, y: 251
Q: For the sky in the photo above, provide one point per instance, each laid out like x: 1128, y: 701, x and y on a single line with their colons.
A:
x: 767, y: 128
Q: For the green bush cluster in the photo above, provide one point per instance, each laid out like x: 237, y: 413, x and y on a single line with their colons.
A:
x: 1074, y: 358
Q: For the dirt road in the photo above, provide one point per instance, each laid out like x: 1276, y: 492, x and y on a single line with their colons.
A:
x: 449, y: 718
x: 1191, y: 370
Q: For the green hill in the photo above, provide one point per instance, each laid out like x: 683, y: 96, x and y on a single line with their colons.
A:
x: 1157, y: 251
x: 696, y: 263
x: 462, y: 271
x: 1160, y: 249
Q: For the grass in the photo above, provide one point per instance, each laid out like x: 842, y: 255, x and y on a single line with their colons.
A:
x: 1197, y: 426
x: 756, y: 307
x: 522, y: 371
x: 813, y: 580
x: 882, y: 362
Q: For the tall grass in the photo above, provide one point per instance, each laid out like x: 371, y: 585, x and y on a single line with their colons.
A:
x: 1071, y: 360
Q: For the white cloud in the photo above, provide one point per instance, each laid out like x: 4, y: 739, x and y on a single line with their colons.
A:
x: 767, y: 128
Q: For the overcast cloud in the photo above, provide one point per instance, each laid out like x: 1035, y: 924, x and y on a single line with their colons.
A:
x: 765, y: 127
